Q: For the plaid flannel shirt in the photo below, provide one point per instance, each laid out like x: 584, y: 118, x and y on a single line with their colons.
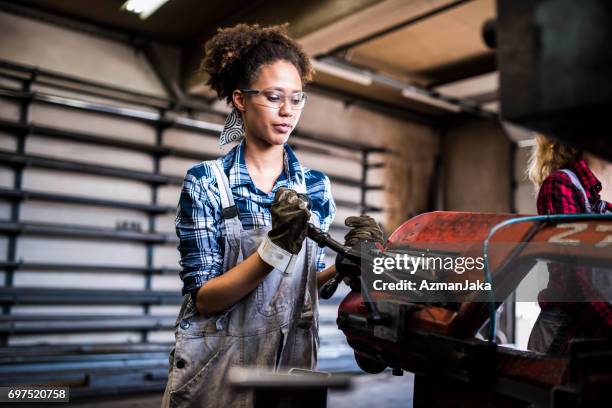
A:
x: 558, y: 195
x: 199, y: 224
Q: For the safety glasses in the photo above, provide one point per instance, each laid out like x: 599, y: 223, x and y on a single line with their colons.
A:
x: 273, y: 98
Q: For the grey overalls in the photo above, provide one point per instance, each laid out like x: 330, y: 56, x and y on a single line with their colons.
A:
x: 275, y: 326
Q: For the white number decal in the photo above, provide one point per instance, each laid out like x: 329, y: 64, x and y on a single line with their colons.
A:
x: 608, y: 239
x: 574, y: 228
x: 560, y: 238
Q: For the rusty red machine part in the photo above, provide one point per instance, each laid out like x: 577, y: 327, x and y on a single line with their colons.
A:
x: 438, y: 341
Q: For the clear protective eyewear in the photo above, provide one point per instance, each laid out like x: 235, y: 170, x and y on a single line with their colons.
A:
x: 273, y: 98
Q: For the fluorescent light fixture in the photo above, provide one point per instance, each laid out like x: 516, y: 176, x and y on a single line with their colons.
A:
x: 523, y: 137
x: 471, y: 86
x: 491, y: 106
x: 340, y: 72
x: 144, y: 8
x: 526, y: 143
x: 418, y: 95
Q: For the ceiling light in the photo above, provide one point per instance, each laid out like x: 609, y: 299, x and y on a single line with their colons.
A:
x: 419, y: 95
x: 471, y: 86
x: 344, y: 73
x: 491, y: 106
x: 518, y: 134
x: 526, y: 143
x: 144, y: 8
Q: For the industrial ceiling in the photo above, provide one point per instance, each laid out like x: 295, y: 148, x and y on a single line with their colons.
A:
x: 434, y: 46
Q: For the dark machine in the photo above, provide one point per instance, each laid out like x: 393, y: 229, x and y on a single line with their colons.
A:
x: 554, y: 59
x: 555, y: 62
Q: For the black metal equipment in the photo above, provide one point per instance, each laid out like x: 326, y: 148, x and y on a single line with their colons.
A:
x: 299, y: 388
x: 555, y: 62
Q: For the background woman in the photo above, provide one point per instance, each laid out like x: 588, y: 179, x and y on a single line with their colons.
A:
x: 569, y: 182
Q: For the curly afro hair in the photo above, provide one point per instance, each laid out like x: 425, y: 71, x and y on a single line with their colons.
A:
x: 234, y: 56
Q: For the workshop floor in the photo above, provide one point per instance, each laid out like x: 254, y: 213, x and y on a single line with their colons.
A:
x: 369, y: 390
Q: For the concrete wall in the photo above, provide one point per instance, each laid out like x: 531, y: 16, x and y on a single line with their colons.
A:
x: 75, y: 53
x: 525, y: 193
x: 476, y: 157
x: 483, y: 171
x: 479, y: 167
x: 407, y: 172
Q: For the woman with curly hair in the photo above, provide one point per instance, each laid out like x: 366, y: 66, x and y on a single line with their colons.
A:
x: 569, y: 183
x: 249, y: 274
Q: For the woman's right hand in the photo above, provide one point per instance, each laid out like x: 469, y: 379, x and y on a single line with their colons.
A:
x: 290, y: 217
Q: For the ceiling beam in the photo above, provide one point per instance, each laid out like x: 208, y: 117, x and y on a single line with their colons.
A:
x: 377, y: 105
x: 459, y: 70
x: 304, y: 17
x: 366, y: 22
x: 343, y: 48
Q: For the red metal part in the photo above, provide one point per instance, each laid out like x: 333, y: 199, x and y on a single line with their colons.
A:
x: 466, y: 233
x: 446, y: 227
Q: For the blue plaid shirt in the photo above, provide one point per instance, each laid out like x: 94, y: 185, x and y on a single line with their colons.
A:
x: 199, y: 224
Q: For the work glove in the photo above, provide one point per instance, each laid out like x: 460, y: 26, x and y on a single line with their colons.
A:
x: 363, y: 228
x: 290, y: 217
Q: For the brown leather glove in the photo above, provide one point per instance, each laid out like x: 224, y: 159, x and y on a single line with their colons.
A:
x: 364, y: 228
x: 290, y: 217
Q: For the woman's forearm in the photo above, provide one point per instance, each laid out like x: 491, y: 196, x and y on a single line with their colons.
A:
x: 229, y: 288
x: 325, y: 275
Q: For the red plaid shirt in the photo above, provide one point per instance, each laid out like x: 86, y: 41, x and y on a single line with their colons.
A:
x: 558, y: 195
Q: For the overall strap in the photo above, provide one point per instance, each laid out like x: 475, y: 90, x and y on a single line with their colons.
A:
x: 233, y: 228
x: 229, y: 211
x: 227, y: 198
x: 578, y: 184
x: 300, y: 185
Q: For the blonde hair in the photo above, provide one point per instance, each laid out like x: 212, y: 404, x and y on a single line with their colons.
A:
x: 548, y: 156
